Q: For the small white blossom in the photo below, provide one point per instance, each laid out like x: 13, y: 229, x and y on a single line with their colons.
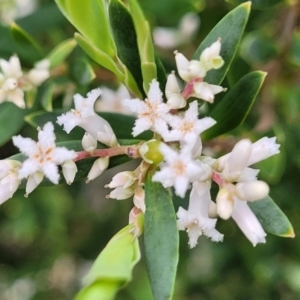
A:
x: 206, y: 91
x: 179, y: 169
x: 84, y: 116
x: 121, y: 193
x: 9, y: 81
x: 210, y: 57
x: 196, y: 220
x: 151, y: 112
x: 39, y: 73
x: 172, y: 91
x: 43, y: 156
x: 187, y: 127
x: 123, y: 179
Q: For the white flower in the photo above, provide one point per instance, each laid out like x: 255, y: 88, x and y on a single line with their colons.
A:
x: 206, y: 91
x: 179, y: 169
x: 121, y: 193
x: 195, y: 220
x: 69, y: 170
x: 9, y: 82
x: 210, y: 57
x: 123, y: 179
x: 111, y: 101
x: 9, y: 179
x: 172, y: 91
x: 84, y: 116
x: 98, y: 167
x: 187, y: 127
x: 39, y: 73
x: 248, y: 223
x: 151, y: 112
x: 43, y: 156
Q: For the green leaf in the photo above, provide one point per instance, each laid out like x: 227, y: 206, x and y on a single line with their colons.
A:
x: 82, y: 72
x: 230, y: 29
x: 160, y: 238
x: 259, y: 4
x: 272, y: 219
x: 90, y: 18
x: 294, y: 52
x: 61, y: 52
x: 10, y: 126
x: 126, y: 40
x: 44, y: 95
x: 25, y: 40
x: 113, y: 267
x: 99, y: 56
x: 234, y: 107
x: 121, y: 124
x: 145, y: 44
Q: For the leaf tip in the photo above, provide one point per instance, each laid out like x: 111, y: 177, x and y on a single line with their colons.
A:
x: 247, y: 5
x: 290, y: 233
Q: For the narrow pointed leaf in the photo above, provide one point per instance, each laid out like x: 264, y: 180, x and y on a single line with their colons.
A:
x: 259, y: 4
x: 161, y: 239
x: 126, y: 40
x: 272, y: 219
x: 113, y: 267
x: 10, y: 126
x: 145, y: 44
x: 90, y: 19
x: 25, y: 40
x: 235, y: 105
x: 45, y: 95
x: 230, y: 29
x: 99, y: 56
x: 82, y: 72
x: 61, y: 52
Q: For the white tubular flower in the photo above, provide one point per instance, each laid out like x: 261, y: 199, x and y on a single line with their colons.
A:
x: 210, y: 57
x: 98, y: 167
x: 252, y: 191
x: 175, y: 99
x: 151, y: 112
x: 187, y: 127
x: 69, y: 170
x: 182, y: 64
x: 43, y: 156
x: 179, y: 169
x: 248, y: 223
x: 39, y: 73
x: 195, y: 220
x: 206, y: 91
x: 9, y: 88
x: 9, y: 179
x: 84, y: 116
x: 262, y: 149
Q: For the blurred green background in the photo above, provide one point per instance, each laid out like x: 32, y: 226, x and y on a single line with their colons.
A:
x: 49, y: 241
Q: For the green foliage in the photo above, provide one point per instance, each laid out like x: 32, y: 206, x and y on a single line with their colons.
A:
x: 161, y: 239
x: 272, y: 219
x: 232, y: 110
x: 113, y: 267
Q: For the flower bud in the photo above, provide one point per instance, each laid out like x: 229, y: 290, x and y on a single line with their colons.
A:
x: 182, y: 66
x: 252, y: 191
x: 237, y: 160
x: 33, y: 181
x: 225, y: 203
x: 139, y: 198
x: 196, y: 69
x: 211, y: 58
x: 98, y: 167
x: 120, y: 193
x: 123, y: 179
x: 8, y: 185
x: 150, y: 152
x: 69, y: 170
x: 89, y: 143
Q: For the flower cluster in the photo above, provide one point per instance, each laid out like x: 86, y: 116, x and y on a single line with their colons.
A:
x: 13, y: 82
x: 176, y: 150
x: 185, y: 169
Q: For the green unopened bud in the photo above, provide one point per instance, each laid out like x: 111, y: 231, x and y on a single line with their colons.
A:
x: 150, y: 152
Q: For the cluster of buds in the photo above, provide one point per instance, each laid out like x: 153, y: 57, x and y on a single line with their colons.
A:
x: 13, y: 82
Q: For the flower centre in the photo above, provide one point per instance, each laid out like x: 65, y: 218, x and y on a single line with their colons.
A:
x: 186, y: 127
x: 179, y: 168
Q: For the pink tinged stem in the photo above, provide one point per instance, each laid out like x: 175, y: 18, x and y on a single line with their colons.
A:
x: 189, y: 88
x: 131, y: 151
